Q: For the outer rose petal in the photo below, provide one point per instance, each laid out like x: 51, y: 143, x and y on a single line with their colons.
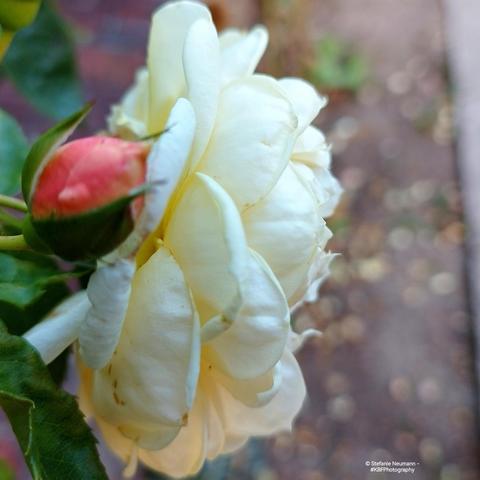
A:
x: 170, y: 26
x: 241, y: 422
x: 317, y: 272
x: 149, y: 385
x: 201, y: 62
x: 205, y: 235
x: 241, y: 52
x: 255, y: 392
x: 186, y: 454
x: 305, y: 100
x: 60, y: 328
x: 252, y: 140
x: 311, y: 148
x: 311, y: 158
x: 166, y: 165
x: 323, y: 185
x: 246, y: 302
x: 283, y: 227
x: 108, y: 291
x: 255, y: 340
x: 128, y: 119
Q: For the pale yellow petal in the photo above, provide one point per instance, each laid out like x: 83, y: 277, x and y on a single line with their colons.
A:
x: 316, y: 274
x: 306, y: 102
x: 312, y: 149
x: 284, y: 227
x: 252, y: 140
x: 323, y: 185
x: 170, y: 26
x: 201, y: 62
x: 241, y: 52
x: 128, y: 119
x: 255, y: 392
x: 187, y: 453
x: 241, y: 422
x: 148, y: 387
x: 166, y: 167
x: 205, y: 235
x: 108, y: 290
x: 255, y: 340
x: 60, y: 328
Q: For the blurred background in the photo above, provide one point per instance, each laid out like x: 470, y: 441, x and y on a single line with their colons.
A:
x: 393, y: 377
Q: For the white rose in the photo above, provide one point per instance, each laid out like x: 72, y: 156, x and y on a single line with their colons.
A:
x: 185, y: 340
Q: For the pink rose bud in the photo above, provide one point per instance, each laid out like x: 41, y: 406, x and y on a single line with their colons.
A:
x: 86, y: 198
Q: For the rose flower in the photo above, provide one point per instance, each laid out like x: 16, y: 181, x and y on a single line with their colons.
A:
x: 183, y: 336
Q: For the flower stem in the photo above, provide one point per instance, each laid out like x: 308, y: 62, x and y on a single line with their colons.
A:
x: 10, y: 220
x: 14, y: 203
x: 14, y: 242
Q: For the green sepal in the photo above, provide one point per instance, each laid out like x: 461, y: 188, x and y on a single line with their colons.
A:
x: 88, y: 235
x: 32, y: 238
x: 44, y: 146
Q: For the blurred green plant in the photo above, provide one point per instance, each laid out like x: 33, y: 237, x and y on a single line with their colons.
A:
x: 15, y: 15
x: 12, y: 153
x: 336, y: 66
x: 41, y: 64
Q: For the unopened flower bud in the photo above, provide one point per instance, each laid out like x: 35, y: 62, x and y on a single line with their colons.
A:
x: 85, y: 199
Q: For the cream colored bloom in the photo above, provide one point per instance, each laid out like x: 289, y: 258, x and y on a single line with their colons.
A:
x: 184, y: 333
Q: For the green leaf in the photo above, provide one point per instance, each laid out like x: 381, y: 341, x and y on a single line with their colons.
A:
x: 31, y: 286
x: 41, y: 64
x: 27, y: 292
x: 13, y: 150
x: 51, y: 431
x: 45, y: 145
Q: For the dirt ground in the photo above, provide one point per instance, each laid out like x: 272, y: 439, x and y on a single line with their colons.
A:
x: 392, y: 378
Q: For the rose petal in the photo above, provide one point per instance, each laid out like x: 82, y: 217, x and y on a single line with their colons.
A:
x: 317, y: 272
x: 255, y: 392
x: 241, y: 422
x: 128, y: 119
x: 170, y: 27
x: 205, y: 235
x: 60, y: 328
x: 323, y: 185
x: 241, y: 52
x: 252, y: 140
x: 186, y: 454
x: 149, y: 385
x: 306, y: 102
x: 165, y: 166
x: 108, y: 291
x: 201, y: 62
x: 283, y: 227
x: 312, y: 149
x: 255, y: 340
x: 297, y: 340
